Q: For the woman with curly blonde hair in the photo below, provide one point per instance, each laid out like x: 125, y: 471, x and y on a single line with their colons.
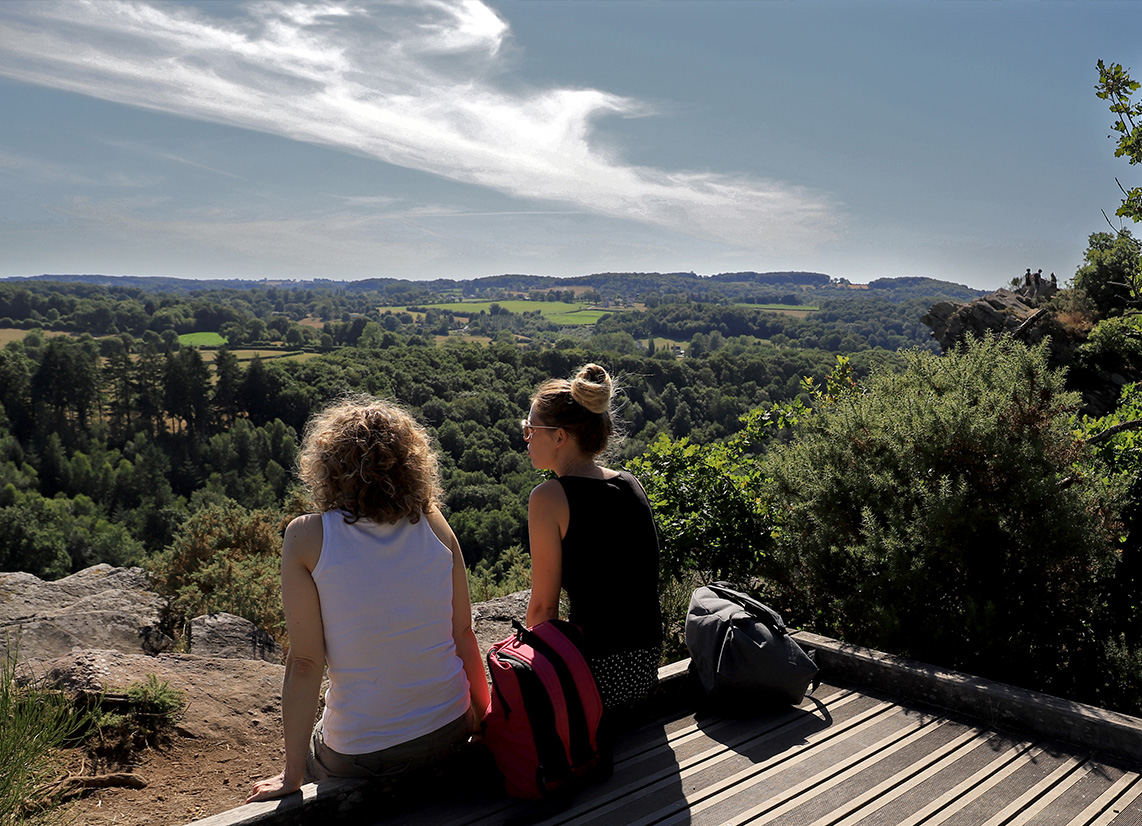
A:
x: 374, y: 587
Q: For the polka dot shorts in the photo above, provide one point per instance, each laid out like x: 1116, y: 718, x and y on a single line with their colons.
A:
x: 626, y: 677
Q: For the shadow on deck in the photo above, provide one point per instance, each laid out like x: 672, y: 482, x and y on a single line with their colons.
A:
x: 883, y: 741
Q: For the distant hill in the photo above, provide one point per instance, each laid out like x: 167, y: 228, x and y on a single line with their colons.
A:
x: 608, y: 285
x: 921, y: 287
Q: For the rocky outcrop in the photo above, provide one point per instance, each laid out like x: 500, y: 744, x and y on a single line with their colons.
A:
x: 226, y: 699
x: 492, y: 620
x: 231, y: 637
x: 114, y: 609
x: 1001, y: 312
x: 95, y: 631
x: 98, y: 608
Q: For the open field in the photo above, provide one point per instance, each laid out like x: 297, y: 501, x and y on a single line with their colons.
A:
x: 469, y: 308
x: 559, y: 312
x: 8, y: 334
x: 247, y: 355
x: 201, y: 340
x: 661, y: 343
x: 795, y: 310
x: 577, y: 317
x: 468, y: 339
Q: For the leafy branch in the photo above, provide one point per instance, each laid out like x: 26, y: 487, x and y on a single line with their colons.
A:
x: 1116, y: 86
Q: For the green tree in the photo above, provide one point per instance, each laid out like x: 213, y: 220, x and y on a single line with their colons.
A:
x: 228, y: 378
x: 256, y: 392
x: 118, y: 371
x: 66, y: 385
x: 32, y: 540
x: 16, y: 371
x: 1111, y: 272
x: 186, y: 389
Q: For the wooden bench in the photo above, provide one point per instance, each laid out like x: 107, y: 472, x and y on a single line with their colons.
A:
x: 883, y: 741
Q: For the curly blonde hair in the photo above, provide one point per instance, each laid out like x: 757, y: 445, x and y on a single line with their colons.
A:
x: 371, y: 459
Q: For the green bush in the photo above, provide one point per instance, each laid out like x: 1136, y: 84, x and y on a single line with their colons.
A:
x: 1117, y: 453
x: 937, y: 513
x: 1110, y: 272
x: 714, y: 520
x: 1115, y: 343
x: 150, y: 710
x: 224, y: 558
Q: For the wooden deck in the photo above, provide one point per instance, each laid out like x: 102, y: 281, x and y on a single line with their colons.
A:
x: 846, y: 757
x: 874, y: 746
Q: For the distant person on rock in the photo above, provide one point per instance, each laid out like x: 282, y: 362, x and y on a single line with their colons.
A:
x: 592, y: 533
x: 374, y: 586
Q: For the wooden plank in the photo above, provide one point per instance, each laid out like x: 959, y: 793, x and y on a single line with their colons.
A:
x: 630, y: 783
x: 889, y: 790
x: 1121, y: 810
x: 852, y: 760
x: 702, y: 798
x: 1028, y: 805
x: 1105, y: 800
x: 768, y: 811
x: 975, y: 786
x: 602, y: 802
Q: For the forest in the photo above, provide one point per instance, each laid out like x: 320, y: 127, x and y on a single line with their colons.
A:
x: 114, y: 430
x: 796, y: 433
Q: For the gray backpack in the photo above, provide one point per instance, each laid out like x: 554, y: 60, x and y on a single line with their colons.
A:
x: 740, y: 650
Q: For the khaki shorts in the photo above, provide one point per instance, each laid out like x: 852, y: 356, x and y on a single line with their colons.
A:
x: 324, y: 763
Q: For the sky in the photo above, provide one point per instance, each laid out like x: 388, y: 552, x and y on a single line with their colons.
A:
x: 959, y: 140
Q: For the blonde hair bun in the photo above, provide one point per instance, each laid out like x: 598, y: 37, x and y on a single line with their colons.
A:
x: 592, y: 388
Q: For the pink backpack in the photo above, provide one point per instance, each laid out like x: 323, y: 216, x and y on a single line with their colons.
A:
x: 542, y: 724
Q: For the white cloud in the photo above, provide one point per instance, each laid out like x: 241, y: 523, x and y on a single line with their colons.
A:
x: 404, y: 81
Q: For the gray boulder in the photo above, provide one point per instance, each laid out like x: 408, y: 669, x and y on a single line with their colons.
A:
x: 492, y: 620
x: 100, y: 607
x: 231, y: 637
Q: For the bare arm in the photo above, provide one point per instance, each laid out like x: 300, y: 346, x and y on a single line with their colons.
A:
x: 547, y: 518
x: 463, y: 635
x: 305, y: 663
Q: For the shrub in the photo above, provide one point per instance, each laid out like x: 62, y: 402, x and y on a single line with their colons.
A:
x: 937, y: 513
x: 1117, y: 443
x: 705, y: 503
x: 224, y: 558
x: 1110, y: 272
x: 150, y: 710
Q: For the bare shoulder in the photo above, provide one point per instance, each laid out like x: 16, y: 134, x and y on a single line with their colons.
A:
x: 442, y: 529
x: 303, y: 537
x: 548, y: 494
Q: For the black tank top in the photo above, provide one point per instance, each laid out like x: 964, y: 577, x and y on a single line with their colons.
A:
x: 610, y: 564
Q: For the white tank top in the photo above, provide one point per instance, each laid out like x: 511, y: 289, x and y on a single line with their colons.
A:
x: 386, y: 606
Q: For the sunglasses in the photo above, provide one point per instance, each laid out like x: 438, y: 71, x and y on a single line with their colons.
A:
x: 529, y: 428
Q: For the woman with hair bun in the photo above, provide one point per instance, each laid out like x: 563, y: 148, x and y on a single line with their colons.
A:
x: 374, y: 586
x: 592, y: 534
